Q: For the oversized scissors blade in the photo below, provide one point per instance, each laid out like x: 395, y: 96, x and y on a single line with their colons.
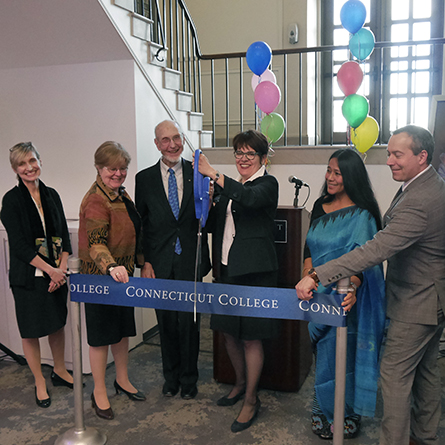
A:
x: 197, y: 265
x: 201, y: 188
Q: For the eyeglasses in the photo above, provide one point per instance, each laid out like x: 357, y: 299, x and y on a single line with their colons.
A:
x: 250, y: 155
x: 165, y: 142
x: 123, y: 171
x: 21, y: 145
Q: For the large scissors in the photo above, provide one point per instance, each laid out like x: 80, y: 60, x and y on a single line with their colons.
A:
x: 201, y: 191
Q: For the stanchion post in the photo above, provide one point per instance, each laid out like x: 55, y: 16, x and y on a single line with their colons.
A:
x: 79, y: 435
x: 340, y: 373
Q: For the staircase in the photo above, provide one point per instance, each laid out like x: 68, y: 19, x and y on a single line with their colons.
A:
x: 150, y: 57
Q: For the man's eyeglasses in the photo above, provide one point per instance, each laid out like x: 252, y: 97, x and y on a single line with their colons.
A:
x: 115, y: 170
x: 165, y: 142
x: 250, y: 155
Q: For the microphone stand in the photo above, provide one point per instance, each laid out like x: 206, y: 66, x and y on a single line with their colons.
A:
x: 297, y: 191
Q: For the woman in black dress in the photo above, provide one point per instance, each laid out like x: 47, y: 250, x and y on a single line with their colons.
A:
x: 109, y: 233
x: 39, y: 246
x: 242, y: 223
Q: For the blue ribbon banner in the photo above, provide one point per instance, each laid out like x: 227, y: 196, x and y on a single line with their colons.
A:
x: 212, y: 298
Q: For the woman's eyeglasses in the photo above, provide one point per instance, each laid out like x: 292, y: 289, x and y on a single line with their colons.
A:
x: 250, y: 155
x: 123, y: 171
x: 21, y: 145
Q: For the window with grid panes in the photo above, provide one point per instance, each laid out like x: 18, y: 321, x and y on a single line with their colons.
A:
x: 399, y: 81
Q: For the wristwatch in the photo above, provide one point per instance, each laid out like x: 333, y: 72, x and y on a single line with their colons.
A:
x: 217, y: 176
x: 353, y: 286
x: 313, y: 274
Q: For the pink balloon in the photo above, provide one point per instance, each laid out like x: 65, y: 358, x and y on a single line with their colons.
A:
x: 267, y: 75
x: 267, y: 96
x: 349, y: 77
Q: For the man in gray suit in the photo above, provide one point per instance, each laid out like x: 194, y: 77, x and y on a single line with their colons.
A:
x: 413, y: 242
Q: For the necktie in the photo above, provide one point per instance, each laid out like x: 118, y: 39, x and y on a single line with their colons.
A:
x: 174, y: 203
x: 399, y: 192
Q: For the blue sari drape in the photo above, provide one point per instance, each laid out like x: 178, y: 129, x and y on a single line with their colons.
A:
x: 329, y: 237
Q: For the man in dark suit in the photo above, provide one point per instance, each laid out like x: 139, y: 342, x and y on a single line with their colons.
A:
x: 413, y: 242
x: 164, y: 199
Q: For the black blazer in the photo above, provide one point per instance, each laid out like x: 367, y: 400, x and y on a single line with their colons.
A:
x: 22, y: 249
x: 254, y: 205
x: 160, y: 227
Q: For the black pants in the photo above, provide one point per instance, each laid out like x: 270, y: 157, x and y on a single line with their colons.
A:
x: 179, y: 336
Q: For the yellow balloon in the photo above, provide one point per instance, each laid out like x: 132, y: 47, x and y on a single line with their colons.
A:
x: 365, y: 135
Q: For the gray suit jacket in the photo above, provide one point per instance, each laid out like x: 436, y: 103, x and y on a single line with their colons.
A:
x: 413, y: 242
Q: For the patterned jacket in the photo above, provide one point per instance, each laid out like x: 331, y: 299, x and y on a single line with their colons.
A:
x: 107, y: 233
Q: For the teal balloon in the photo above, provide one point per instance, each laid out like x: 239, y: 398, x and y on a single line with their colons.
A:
x: 355, y: 108
x: 353, y: 15
x: 272, y: 126
x: 362, y: 43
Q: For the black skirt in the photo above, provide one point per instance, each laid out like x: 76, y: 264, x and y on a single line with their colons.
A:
x: 40, y: 313
x: 108, y: 325
x: 247, y: 328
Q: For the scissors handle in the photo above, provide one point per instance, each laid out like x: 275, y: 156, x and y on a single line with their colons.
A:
x: 201, y: 191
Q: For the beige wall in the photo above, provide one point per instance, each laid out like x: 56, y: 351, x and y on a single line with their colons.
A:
x: 231, y: 26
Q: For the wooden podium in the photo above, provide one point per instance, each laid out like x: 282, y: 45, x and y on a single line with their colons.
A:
x: 288, y: 358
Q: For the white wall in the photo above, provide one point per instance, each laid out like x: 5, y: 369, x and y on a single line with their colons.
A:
x: 67, y: 111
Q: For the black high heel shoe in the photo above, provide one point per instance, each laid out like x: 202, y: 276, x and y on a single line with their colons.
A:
x: 225, y: 401
x: 45, y: 403
x: 106, y: 414
x: 58, y: 381
x: 136, y: 396
x: 241, y: 426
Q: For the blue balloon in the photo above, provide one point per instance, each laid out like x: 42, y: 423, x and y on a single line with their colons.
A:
x: 353, y: 15
x: 361, y: 44
x: 258, y: 57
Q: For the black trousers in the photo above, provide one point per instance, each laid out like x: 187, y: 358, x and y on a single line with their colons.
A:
x: 179, y: 336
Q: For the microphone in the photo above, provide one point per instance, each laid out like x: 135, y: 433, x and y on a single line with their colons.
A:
x: 297, y: 182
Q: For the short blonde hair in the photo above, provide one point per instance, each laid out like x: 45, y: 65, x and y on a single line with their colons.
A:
x: 110, y: 153
x: 19, y: 152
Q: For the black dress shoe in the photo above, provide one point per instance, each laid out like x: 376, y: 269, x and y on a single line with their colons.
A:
x: 58, y: 381
x: 241, y: 426
x: 106, y: 414
x: 42, y: 403
x: 225, y: 401
x: 169, y: 391
x: 136, y: 396
x: 189, y: 393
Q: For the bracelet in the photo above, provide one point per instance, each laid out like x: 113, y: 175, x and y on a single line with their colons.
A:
x: 110, y: 267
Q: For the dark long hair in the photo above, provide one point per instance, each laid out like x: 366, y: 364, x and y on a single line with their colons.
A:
x: 356, y: 182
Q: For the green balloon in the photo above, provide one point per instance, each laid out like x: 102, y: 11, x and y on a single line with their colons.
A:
x: 272, y: 126
x: 355, y: 108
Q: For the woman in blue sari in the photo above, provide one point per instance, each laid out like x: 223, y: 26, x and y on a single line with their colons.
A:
x: 345, y: 216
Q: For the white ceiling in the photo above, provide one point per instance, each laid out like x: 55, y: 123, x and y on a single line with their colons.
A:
x: 56, y: 32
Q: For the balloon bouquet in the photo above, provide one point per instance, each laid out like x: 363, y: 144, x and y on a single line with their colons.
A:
x: 266, y: 91
x: 355, y: 108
